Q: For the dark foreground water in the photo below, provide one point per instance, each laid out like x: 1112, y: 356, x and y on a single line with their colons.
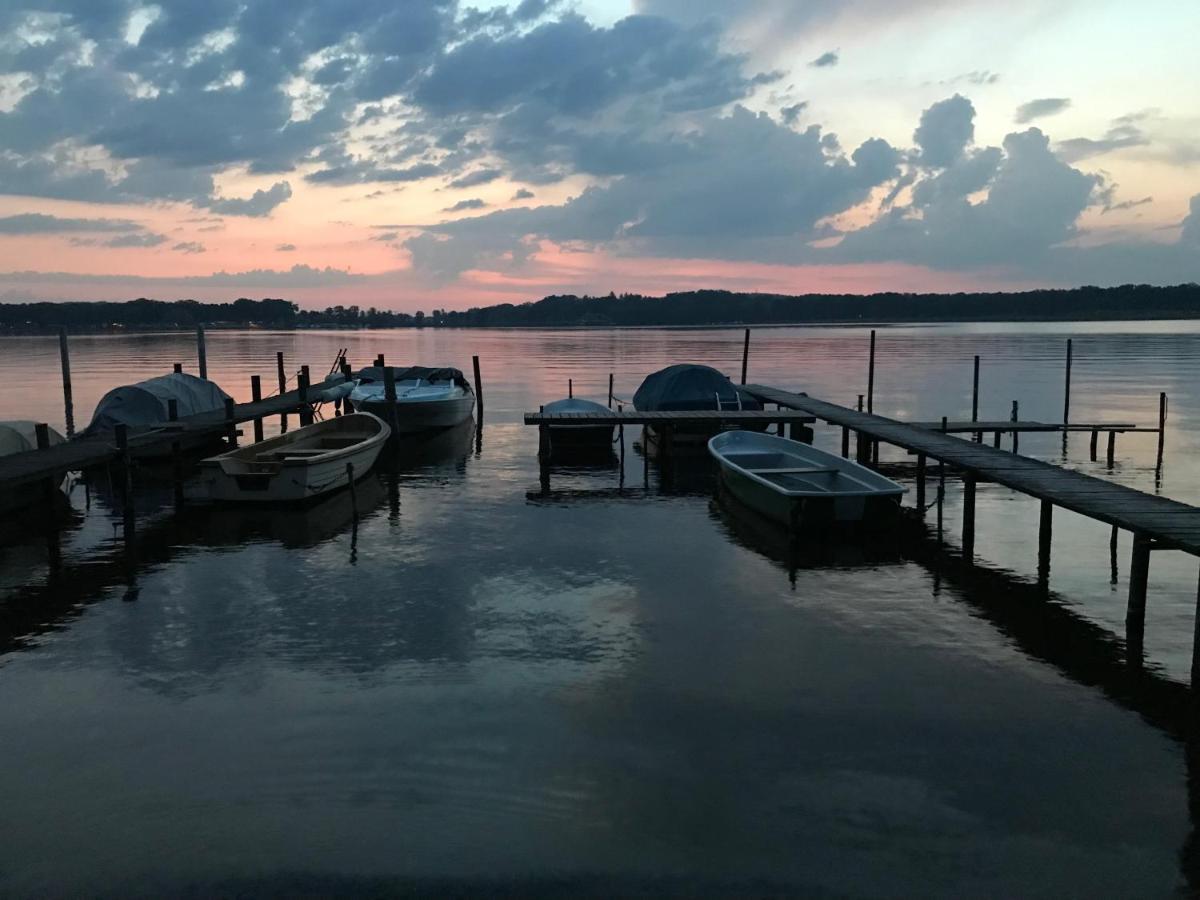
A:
x: 608, y: 688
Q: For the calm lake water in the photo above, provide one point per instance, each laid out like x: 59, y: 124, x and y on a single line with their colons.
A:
x: 610, y: 688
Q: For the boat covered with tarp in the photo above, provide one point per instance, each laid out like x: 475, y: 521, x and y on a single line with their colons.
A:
x: 146, y: 404
x: 426, y: 397
x: 20, y: 436
x: 684, y: 387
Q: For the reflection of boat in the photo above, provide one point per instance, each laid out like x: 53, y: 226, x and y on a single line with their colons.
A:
x: 146, y: 404
x: 688, y: 387
x: 578, y: 436
x: 448, y: 445
x: 425, y: 398
x: 790, y: 482
x: 20, y: 436
x: 301, y: 464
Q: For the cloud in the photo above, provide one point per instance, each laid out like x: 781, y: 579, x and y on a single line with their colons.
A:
x: 40, y: 223
x: 473, y: 203
x: 1038, y: 109
x: 189, y: 247
x: 285, y: 248
x: 143, y: 239
x: 359, y: 172
x: 523, y: 194
x: 478, y: 177
x: 1122, y: 134
x: 298, y: 276
x: 385, y: 236
x: 825, y: 60
x: 261, y: 203
x: 945, y: 129
x: 791, y: 114
x: 1126, y: 204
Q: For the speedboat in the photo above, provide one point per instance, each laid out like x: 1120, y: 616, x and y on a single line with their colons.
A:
x: 581, y: 435
x: 687, y: 387
x: 425, y: 398
x: 299, y: 465
x: 794, y: 483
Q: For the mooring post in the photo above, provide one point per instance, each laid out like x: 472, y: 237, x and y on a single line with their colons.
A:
x: 921, y: 483
x: 975, y: 400
x: 570, y: 389
x: 1015, y: 433
x: 378, y: 360
x: 871, y: 376
x: 845, y: 442
x: 968, y: 526
x: 64, y: 355
x: 996, y: 440
x: 177, y: 368
x: 1112, y: 449
x: 389, y: 395
x: 256, y: 396
x: 1045, y: 536
x: 745, y: 354
x: 200, y: 352
x: 478, y: 390
x: 230, y: 422
x: 282, y: 388
x: 610, y: 390
x: 1112, y: 556
x: 306, y: 413
x: 862, y: 448
x: 1162, y: 431
x: 1135, y: 614
x: 1093, y: 444
x: 1067, y: 394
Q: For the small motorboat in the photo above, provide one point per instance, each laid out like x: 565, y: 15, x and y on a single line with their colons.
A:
x: 425, y: 398
x: 582, y: 435
x: 299, y: 465
x: 689, y: 387
x: 795, y: 483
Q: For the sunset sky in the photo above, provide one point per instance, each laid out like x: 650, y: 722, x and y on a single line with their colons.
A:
x: 414, y: 154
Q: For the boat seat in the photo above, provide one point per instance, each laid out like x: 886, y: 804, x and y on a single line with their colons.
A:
x: 811, y: 470
x: 291, y: 454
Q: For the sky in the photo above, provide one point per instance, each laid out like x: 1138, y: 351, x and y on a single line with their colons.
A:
x: 421, y: 154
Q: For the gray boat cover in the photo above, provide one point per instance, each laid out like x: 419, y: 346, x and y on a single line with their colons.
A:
x: 19, y: 435
x: 145, y: 403
x: 412, y: 373
x: 687, y: 386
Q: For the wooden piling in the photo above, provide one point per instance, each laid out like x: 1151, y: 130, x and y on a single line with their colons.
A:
x: 570, y: 389
x: 389, y: 395
x: 256, y: 396
x: 610, y: 390
x: 379, y: 360
x: 1112, y: 555
x: 1015, y: 419
x: 231, y: 422
x: 845, y: 442
x: 201, y: 353
x: 871, y: 376
x: 1135, y: 613
x: 478, y: 390
x: 64, y: 356
x: 1162, y: 431
x: 1112, y: 449
x: 306, y: 413
x: 968, y: 526
x: 1067, y: 390
x: 177, y: 368
x: 921, y: 464
x: 745, y: 354
x: 975, y: 399
x: 1045, y: 537
x: 941, y: 502
x: 282, y: 388
x: 1092, y: 445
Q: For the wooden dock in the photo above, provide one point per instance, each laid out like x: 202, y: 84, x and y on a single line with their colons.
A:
x: 714, y: 417
x: 1157, y: 523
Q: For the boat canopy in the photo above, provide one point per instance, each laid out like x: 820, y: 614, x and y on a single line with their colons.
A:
x: 373, y: 374
x: 21, y: 435
x: 687, y: 386
x: 145, y: 403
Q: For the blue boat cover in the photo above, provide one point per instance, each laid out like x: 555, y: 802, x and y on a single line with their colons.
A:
x: 145, y: 403
x: 687, y: 386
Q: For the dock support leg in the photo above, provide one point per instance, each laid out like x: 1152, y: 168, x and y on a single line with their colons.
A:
x: 862, y: 448
x: 798, y: 431
x: 201, y: 353
x: 996, y: 440
x: 256, y: 396
x: 1162, y: 431
x: 1135, y: 614
x: 745, y: 355
x: 1045, y: 536
x: 941, y: 502
x: 845, y: 442
x: 646, y: 456
x: 1015, y: 408
x: 544, y: 441
x: 1092, y: 446
x: 306, y: 412
x: 1112, y: 556
x: 1196, y: 643
x: 478, y: 390
x: 968, y: 527
x: 282, y: 389
x: 921, y: 483
x: 68, y: 404
x: 1112, y: 449
x: 871, y: 376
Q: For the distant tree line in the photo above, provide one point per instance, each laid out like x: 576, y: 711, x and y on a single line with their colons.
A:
x: 1131, y: 301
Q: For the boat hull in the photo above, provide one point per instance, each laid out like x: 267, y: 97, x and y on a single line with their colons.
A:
x: 808, y: 512
x: 425, y: 415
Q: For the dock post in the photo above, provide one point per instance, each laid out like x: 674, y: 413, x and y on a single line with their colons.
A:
x: 968, y: 526
x: 389, y: 395
x: 306, y: 413
x: 845, y: 442
x: 1135, y: 614
x: 200, y: 352
x: 478, y: 389
x: 282, y: 388
x: 1015, y: 420
x: 1162, y: 431
x: 975, y: 400
x: 1067, y: 396
x: 745, y: 354
x: 570, y: 389
x: 230, y: 422
x: 42, y: 435
x: 1112, y: 556
x: 64, y: 355
x: 256, y: 396
x: 1094, y: 442
x: 1196, y: 643
x: 1112, y: 449
x: 921, y: 483
x: 871, y: 376
x: 177, y: 368
x: 1045, y: 536
x: 610, y: 390
x: 862, y: 448
x: 996, y: 440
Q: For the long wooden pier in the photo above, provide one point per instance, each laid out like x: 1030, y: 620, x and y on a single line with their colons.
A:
x: 1157, y: 523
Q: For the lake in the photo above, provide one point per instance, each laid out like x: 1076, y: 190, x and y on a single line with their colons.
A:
x: 618, y: 687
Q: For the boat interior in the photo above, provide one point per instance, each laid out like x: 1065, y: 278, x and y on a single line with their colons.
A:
x: 329, y: 436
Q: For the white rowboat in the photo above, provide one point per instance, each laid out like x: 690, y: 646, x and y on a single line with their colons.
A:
x: 582, y: 435
x: 792, y: 482
x: 299, y: 465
